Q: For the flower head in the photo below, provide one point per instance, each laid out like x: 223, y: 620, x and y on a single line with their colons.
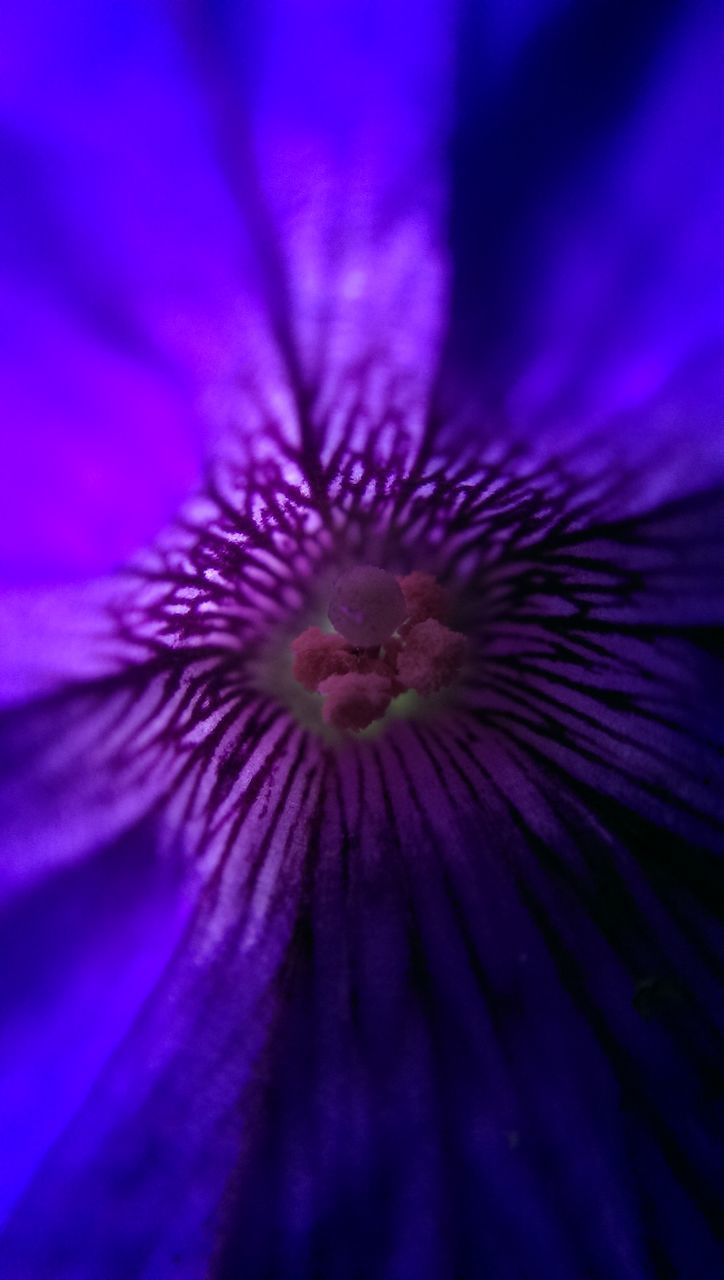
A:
x: 360, y: 865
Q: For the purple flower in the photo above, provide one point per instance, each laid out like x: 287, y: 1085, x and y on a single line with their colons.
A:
x: 289, y: 292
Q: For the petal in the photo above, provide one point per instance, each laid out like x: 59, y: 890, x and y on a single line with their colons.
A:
x: 449, y: 1072
x: 133, y: 1186
x: 118, y: 210
x: 55, y: 636
x: 462, y: 1083
x: 117, y: 245
x: 79, y: 956
x: 443, y: 985
x: 80, y: 765
x: 341, y: 192
x: 500, y: 1049
x: 76, y: 502
x: 588, y: 267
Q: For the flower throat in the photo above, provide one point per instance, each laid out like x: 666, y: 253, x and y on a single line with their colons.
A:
x: 389, y: 639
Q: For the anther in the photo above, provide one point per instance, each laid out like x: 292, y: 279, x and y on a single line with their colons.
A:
x: 432, y: 657
x: 390, y: 640
x: 355, y: 701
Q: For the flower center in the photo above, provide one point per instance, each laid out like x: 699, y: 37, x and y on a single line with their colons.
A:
x: 390, y: 639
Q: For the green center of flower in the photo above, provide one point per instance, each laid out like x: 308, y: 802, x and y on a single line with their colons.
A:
x: 390, y: 639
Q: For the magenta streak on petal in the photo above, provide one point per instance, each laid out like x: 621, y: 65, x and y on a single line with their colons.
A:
x: 99, y: 454
x: 119, y: 276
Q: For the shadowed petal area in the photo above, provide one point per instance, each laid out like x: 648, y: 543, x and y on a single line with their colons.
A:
x: 465, y: 1083
x: 448, y: 1001
x: 116, y: 208
x: 667, y: 447
x: 586, y: 264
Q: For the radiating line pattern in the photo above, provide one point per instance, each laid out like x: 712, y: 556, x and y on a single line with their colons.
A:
x: 448, y: 994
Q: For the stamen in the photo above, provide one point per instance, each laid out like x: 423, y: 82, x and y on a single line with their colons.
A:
x: 317, y: 654
x: 355, y: 701
x: 424, y: 597
x: 392, y: 643
x: 432, y: 657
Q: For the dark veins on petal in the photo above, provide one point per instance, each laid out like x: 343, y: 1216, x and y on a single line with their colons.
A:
x: 490, y: 927
x: 579, y: 736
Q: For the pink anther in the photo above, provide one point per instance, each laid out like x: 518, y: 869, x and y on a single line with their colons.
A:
x: 432, y: 657
x: 354, y: 701
x: 318, y: 654
x: 424, y: 597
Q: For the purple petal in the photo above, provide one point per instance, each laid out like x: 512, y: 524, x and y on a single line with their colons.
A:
x: 447, y: 1002
x: 341, y: 193
x: 150, y: 1153
x: 79, y: 956
x: 75, y: 770
x: 54, y: 637
x: 463, y: 1083
x: 586, y: 199
x: 452, y: 1071
x: 119, y: 276
x: 75, y: 500
x: 443, y: 985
